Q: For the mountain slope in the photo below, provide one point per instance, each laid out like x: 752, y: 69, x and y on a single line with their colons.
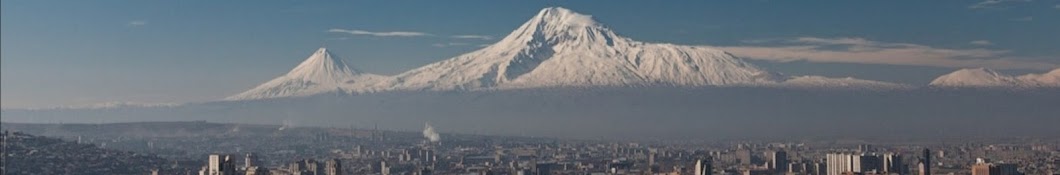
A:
x: 320, y: 73
x: 561, y: 48
x: 986, y: 78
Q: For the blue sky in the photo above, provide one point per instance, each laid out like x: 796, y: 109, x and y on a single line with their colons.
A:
x: 61, y: 53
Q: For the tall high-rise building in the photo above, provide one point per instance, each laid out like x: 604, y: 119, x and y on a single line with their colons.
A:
x: 837, y: 164
x: 704, y: 167
x: 333, y: 167
x: 250, y: 161
x: 219, y: 165
x: 818, y: 169
x: 651, y: 160
x: 744, y: 156
x: 779, y: 161
x: 892, y: 163
x: 384, y: 169
x: 925, y: 162
x: 869, y: 163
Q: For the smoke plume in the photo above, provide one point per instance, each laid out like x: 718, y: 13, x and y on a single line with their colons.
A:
x: 428, y: 132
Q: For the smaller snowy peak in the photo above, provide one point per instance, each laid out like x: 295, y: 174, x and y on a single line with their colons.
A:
x: 322, y: 67
x: 986, y: 78
x: 321, y: 72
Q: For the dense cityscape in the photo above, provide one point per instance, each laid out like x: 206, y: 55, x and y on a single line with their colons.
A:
x: 215, y: 148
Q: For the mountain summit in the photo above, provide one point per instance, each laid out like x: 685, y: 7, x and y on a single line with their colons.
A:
x: 321, y: 72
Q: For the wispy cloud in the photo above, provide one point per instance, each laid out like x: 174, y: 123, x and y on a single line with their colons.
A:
x: 449, y: 44
x: 380, y: 34
x: 338, y: 38
x: 482, y: 37
x: 981, y: 42
x: 1024, y: 19
x: 990, y: 4
x: 136, y: 23
x: 864, y: 51
x: 1057, y: 6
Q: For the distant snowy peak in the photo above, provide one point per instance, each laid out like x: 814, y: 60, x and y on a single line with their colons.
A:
x: 322, y: 67
x: 819, y: 82
x: 986, y: 78
x: 322, y: 72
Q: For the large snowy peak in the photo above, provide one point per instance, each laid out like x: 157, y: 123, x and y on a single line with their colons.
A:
x: 320, y: 73
x: 986, y: 78
x: 561, y: 48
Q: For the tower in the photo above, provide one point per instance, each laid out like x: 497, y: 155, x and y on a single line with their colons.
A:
x: 383, y: 168
x: 651, y: 160
x: 333, y: 167
x: 250, y: 161
x: 892, y: 163
x: 220, y: 165
x: 704, y: 167
x: 925, y: 162
x: 779, y: 161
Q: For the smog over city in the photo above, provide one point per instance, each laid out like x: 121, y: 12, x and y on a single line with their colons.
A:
x: 531, y: 87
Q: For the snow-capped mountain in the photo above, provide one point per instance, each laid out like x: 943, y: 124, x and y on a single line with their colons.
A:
x: 561, y: 48
x: 986, y: 78
x: 320, y: 73
x: 555, y: 48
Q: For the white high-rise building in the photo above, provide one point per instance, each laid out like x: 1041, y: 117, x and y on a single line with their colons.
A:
x: 704, y: 167
x: 219, y: 165
x: 839, y: 163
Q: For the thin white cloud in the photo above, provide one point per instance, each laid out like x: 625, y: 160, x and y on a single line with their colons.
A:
x: 989, y: 4
x: 981, y: 42
x: 136, y: 23
x: 449, y: 44
x: 1028, y: 18
x: 481, y: 37
x: 864, y: 51
x: 380, y: 34
x: 338, y: 38
x: 1057, y: 6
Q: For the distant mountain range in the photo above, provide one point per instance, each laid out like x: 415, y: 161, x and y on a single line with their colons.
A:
x: 561, y: 48
x: 555, y: 48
